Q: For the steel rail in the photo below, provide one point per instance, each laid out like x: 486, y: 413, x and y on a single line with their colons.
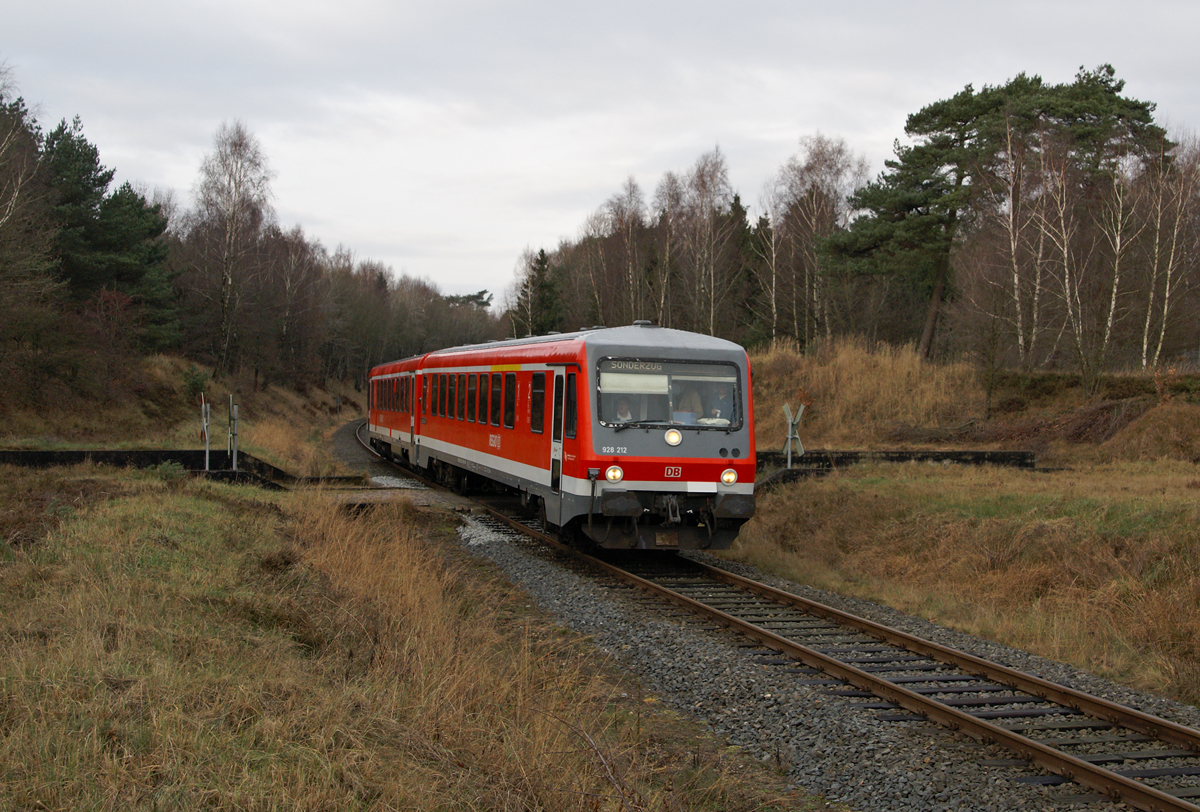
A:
x: 1111, y: 712
x: 1110, y: 784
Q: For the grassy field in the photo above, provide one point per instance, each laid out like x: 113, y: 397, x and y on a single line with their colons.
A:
x: 178, y: 644
x: 166, y: 642
x: 172, y: 643
x: 1095, y: 561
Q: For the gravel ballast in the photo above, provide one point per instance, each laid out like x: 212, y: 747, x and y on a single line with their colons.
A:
x: 828, y: 744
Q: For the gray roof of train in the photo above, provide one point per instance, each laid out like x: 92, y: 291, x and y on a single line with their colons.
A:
x: 618, y: 339
x: 601, y: 340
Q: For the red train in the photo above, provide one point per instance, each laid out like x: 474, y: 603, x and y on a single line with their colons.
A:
x: 634, y: 437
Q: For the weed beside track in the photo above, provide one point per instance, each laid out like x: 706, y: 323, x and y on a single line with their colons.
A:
x: 167, y: 645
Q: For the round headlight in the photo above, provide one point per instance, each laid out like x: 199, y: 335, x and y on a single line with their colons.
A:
x: 614, y: 473
x: 674, y: 436
x: 729, y: 476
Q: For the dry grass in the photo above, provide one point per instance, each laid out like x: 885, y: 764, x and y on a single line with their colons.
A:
x: 162, y: 410
x: 855, y: 394
x: 1098, y: 564
x: 209, y: 646
x: 294, y: 446
x: 1100, y: 568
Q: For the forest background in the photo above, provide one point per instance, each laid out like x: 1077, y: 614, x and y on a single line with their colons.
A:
x: 1022, y: 226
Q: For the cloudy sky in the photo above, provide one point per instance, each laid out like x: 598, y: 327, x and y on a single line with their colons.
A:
x: 444, y: 138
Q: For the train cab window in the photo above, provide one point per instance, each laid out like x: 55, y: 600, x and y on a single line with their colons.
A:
x: 571, y: 407
x: 472, y: 393
x: 452, y: 396
x: 462, y: 396
x: 537, y: 403
x: 510, y: 400
x: 497, y: 389
x: 705, y: 395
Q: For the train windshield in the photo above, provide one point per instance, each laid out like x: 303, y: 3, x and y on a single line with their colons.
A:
x: 638, y: 391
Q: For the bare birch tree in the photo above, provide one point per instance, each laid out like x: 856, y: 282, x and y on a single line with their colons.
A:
x: 233, y: 197
x: 1171, y: 198
x: 707, y: 232
x: 668, y: 212
x: 768, y: 249
x: 817, y: 184
x: 627, y: 219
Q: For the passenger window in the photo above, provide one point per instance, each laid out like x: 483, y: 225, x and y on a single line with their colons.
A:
x: 510, y: 400
x: 537, y: 403
x: 462, y: 396
x: 472, y: 393
x: 450, y: 397
x: 497, y: 389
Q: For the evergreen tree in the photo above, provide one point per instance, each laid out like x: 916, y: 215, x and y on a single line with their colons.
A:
x: 79, y: 183
x: 108, y: 242
x: 917, y: 208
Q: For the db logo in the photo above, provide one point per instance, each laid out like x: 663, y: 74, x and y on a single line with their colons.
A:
x: 673, y: 472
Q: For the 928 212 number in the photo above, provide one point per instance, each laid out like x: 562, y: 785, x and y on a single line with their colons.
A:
x: 614, y: 449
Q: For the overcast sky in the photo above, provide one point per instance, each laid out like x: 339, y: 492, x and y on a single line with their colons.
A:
x: 443, y: 138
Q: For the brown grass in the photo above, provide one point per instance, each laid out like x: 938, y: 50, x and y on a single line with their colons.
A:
x: 1099, y: 568
x: 856, y: 394
x: 1095, y: 565
x: 210, y: 646
x: 162, y: 410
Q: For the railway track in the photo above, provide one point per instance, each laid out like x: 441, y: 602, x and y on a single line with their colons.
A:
x: 1115, y: 751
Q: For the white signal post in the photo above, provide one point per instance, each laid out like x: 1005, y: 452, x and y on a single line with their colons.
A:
x: 793, y: 434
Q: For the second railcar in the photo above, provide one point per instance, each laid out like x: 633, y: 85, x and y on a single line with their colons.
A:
x: 633, y: 437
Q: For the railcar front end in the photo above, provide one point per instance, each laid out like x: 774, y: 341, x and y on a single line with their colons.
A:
x: 634, y: 437
x: 671, y: 459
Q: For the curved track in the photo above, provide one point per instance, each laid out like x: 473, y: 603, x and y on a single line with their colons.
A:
x: 1119, y: 752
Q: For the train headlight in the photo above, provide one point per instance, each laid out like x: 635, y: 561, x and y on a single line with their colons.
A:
x: 614, y: 473
x: 729, y: 476
x: 674, y: 436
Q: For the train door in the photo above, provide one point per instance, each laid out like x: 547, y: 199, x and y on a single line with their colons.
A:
x: 556, y: 433
x: 412, y: 401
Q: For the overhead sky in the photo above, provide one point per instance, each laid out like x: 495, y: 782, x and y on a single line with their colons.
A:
x: 444, y: 138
